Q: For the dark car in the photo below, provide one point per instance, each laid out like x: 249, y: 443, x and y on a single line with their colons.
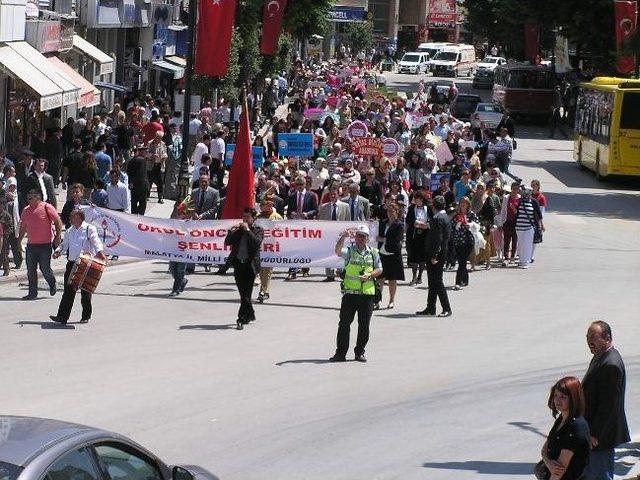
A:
x: 464, y: 105
x: 43, y: 449
x: 482, y: 79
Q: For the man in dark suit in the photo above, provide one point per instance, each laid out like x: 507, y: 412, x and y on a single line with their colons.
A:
x: 436, y: 244
x: 54, y: 152
x: 302, y: 205
x: 245, y: 240
x: 40, y: 181
x: 205, y: 200
x: 23, y: 168
x: 138, y: 181
x: 604, y: 387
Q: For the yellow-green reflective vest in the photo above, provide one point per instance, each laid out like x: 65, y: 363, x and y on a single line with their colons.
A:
x: 359, y: 264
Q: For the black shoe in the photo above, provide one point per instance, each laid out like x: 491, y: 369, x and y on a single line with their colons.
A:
x: 221, y: 271
x: 114, y: 258
x: 329, y: 279
x: 361, y: 358
x: 250, y: 320
x: 240, y: 325
x: 426, y: 313
x: 53, y: 289
x: 291, y: 276
x: 184, y: 284
x: 261, y: 297
x: 207, y: 268
x: 174, y: 293
x: 160, y: 201
x: 446, y: 313
x: 84, y: 320
x: 338, y: 358
x: 29, y: 297
x: 58, y: 320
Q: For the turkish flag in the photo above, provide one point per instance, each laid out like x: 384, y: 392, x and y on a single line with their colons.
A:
x: 272, y: 15
x: 240, y: 187
x: 626, y: 13
x: 213, y: 40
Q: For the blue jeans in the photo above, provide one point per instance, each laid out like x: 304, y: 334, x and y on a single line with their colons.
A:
x: 39, y: 254
x: 601, y: 465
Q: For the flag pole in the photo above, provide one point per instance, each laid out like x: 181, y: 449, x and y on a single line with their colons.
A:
x: 184, y: 179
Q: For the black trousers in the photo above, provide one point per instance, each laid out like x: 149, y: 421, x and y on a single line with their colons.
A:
x: 462, y: 275
x: 138, y: 202
x: 436, y: 287
x: 352, y: 304
x: 244, y: 276
x: 156, y: 176
x: 68, y: 297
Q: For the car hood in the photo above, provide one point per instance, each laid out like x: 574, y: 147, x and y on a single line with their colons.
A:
x: 444, y: 63
x: 487, y: 66
x: 409, y: 64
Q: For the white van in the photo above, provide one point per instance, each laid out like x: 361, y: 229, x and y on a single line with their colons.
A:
x: 454, y: 61
x: 432, y: 48
x: 413, y: 62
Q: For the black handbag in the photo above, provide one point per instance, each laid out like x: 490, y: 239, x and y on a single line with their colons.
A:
x: 541, y: 471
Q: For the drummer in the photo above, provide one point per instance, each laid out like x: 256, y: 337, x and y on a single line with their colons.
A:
x: 81, y: 237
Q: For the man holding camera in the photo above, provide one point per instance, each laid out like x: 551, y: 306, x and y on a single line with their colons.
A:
x: 245, y: 240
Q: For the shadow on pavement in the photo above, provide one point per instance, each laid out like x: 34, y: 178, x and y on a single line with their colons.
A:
x: 47, y: 325
x: 315, y: 361
x: 527, y: 427
x: 485, y: 467
x: 606, y: 205
x: 230, y: 326
x: 297, y: 305
x: 398, y: 315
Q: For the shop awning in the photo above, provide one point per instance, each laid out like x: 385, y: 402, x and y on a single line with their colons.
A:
x: 168, y: 67
x: 87, y: 90
x: 111, y: 86
x: 181, y: 62
x: 93, y: 52
x: 17, y: 66
x: 70, y: 91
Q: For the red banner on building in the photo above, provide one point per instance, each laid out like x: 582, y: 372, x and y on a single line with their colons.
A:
x: 531, y: 41
x: 443, y: 14
x: 626, y: 14
x: 213, y: 41
x: 272, y: 15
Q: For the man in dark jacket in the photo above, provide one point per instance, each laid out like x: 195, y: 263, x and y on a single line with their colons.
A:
x: 54, y: 153
x: 138, y: 181
x: 604, y: 387
x: 42, y: 182
x: 245, y: 240
x: 436, y: 245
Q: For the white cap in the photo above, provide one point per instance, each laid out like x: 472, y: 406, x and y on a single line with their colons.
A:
x: 363, y: 230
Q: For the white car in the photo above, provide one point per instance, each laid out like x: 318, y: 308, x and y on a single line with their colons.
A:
x: 491, y: 63
x: 488, y: 115
x: 413, y: 62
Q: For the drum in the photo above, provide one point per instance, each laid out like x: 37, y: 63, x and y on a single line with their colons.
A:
x: 86, y: 273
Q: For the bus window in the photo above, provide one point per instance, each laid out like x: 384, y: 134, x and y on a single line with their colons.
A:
x: 629, y: 119
x: 593, y: 114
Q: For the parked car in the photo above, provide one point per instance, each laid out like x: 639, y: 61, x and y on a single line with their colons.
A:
x: 491, y: 63
x: 38, y: 448
x: 487, y: 114
x: 482, y: 79
x: 413, y: 62
x: 464, y: 105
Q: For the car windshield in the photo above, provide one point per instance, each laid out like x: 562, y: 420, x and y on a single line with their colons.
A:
x: 9, y: 471
x: 446, y: 56
x: 466, y: 103
x: 411, y: 58
x: 490, y: 60
x: 431, y: 51
x: 487, y: 107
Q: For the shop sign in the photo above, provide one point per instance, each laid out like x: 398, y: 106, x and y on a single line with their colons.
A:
x: 443, y: 14
x: 50, y: 102
x: 340, y: 14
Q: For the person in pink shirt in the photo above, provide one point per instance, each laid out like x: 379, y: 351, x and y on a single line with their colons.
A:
x: 150, y: 129
x: 36, y: 223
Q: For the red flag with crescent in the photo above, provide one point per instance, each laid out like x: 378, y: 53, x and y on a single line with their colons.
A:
x: 213, y: 36
x: 272, y: 15
x: 240, y: 187
x: 626, y: 13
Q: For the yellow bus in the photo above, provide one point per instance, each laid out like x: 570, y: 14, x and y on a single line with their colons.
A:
x: 608, y: 127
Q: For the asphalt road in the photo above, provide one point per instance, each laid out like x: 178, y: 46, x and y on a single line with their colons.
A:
x: 456, y: 398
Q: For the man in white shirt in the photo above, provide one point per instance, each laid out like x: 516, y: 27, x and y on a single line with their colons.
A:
x: 217, y: 146
x: 80, y: 237
x: 201, y: 149
x: 194, y: 132
x: 117, y: 194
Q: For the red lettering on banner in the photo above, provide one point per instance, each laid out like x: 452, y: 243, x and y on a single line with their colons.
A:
x: 142, y: 227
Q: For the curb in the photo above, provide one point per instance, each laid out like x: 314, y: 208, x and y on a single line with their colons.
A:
x: 58, y: 270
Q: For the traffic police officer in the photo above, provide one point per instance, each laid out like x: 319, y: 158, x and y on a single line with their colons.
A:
x: 362, y: 266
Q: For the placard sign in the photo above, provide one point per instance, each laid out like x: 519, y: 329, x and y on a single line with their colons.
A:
x: 434, y: 181
x: 390, y: 147
x: 366, y: 146
x: 357, y: 129
x: 257, y: 155
x: 295, y: 144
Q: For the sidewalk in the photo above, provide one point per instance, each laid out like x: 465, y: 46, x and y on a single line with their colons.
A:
x: 154, y: 209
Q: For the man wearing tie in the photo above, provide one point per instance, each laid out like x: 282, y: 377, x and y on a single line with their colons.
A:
x: 302, y: 205
x: 205, y: 202
x: 42, y: 182
x: 359, y: 206
x: 336, y: 211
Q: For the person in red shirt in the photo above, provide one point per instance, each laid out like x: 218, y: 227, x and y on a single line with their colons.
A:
x: 36, y: 223
x: 150, y: 129
x: 538, y: 196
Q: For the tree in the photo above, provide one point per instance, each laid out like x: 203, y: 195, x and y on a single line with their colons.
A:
x: 359, y: 35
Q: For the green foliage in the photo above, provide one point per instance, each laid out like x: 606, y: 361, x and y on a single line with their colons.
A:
x: 305, y: 18
x: 281, y: 61
x: 588, y: 24
x: 359, y: 35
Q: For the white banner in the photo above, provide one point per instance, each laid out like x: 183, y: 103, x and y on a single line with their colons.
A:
x: 287, y: 243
